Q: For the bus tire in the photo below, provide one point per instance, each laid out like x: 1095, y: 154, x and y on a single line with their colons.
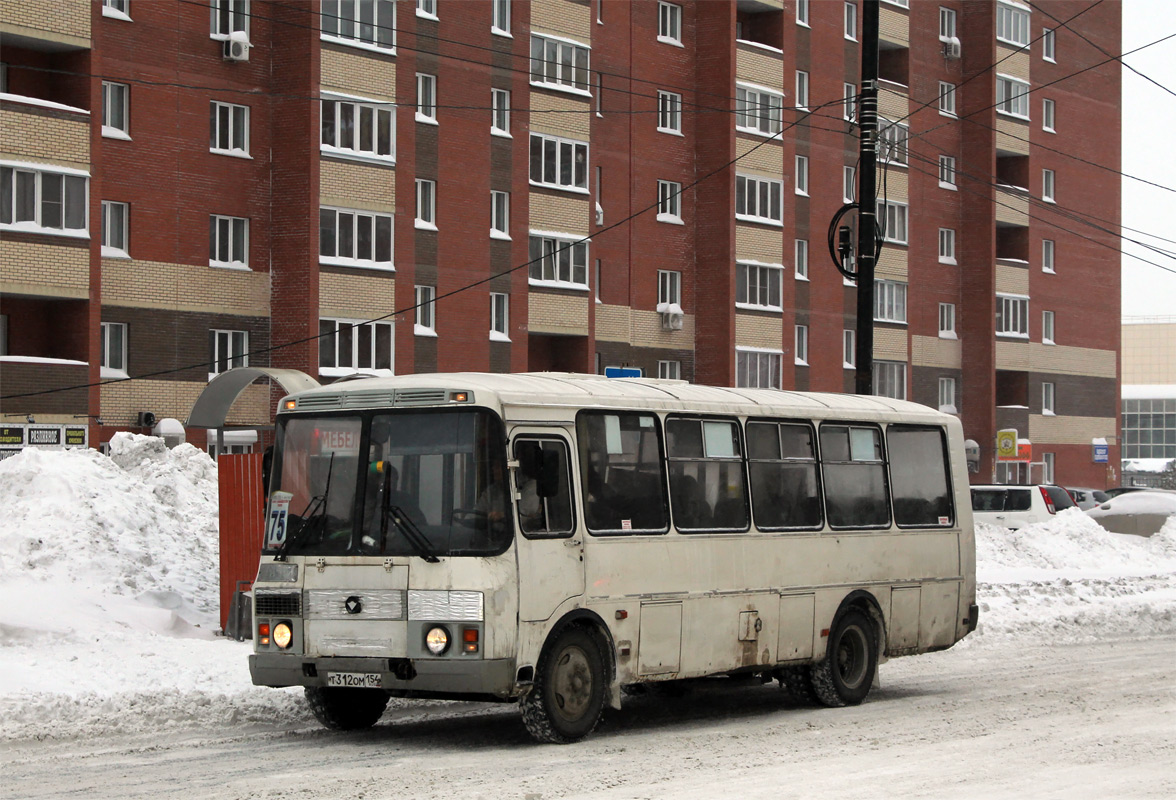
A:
x: 797, y: 685
x: 569, y: 693
x: 346, y: 709
x: 846, y: 673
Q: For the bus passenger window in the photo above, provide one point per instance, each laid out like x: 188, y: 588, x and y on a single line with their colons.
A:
x: 707, y: 489
x: 544, y: 488
x: 854, y: 476
x: 621, y: 469
x: 785, y: 492
x: 919, y: 476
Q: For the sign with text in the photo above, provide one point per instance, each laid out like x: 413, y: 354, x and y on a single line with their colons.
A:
x: 1006, y: 444
x: 1102, y: 453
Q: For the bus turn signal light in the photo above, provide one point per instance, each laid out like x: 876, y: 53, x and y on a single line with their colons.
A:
x: 263, y: 633
x: 469, y: 639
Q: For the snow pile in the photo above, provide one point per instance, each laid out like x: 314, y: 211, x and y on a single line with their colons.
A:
x: 109, y: 597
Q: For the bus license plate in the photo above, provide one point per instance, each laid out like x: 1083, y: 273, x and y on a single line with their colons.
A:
x: 355, y: 680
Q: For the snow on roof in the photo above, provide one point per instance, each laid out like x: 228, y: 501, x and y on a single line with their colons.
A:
x: 1149, y: 391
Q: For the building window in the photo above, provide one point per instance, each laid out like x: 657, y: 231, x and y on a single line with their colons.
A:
x: 1012, y: 316
x: 669, y: 370
x: 669, y: 201
x: 1012, y: 24
x: 228, y: 242
x: 355, y: 238
x: 112, y: 347
x: 801, y: 345
x: 1047, y: 255
x: 499, y: 215
x: 358, y: 129
x: 849, y: 106
x: 499, y: 317
x: 669, y: 23
x: 500, y: 22
x: 227, y: 350
x: 889, y: 379
x: 802, y: 175
x: 849, y: 348
x: 892, y: 141
x: 559, y: 163
x: 947, y: 99
x: 802, y: 89
x: 802, y: 12
x: 890, y: 301
x: 560, y: 262
x: 669, y: 290
x: 228, y: 129
x: 116, y: 110
x: 893, y: 218
x: 1048, y: 392
x: 1048, y: 110
x: 851, y: 21
x: 347, y: 346
x: 114, y: 229
x: 758, y: 286
x: 1048, y: 44
x: 1149, y: 428
x: 367, y: 22
x: 947, y: 172
x: 669, y: 112
x: 758, y: 369
x: 848, y: 184
x: 426, y: 305
x: 426, y: 204
x: 758, y: 200
x: 800, y: 261
x: 1012, y: 97
x: 947, y: 395
x: 1047, y: 185
x: 947, y: 24
x: 947, y: 324
x: 35, y: 201
x: 559, y: 63
x: 119, y: 9
x: 947, y: 239
x: 758, y: 110
x: 500, y: 112
x: 230, y: 16
x: 1047, y: 327
x: 1047, y: 467
x: 427, y: 9
x: 426, y: 107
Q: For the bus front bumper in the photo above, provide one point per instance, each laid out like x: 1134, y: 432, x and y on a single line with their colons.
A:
x: 409, y: 677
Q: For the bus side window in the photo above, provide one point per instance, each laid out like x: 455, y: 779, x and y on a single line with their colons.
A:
x: 707, y: 487
x: 854, y: 475
x: 919, y: 476
x: 785, y: 491
x: 622, y: 471
x: 543, y: 482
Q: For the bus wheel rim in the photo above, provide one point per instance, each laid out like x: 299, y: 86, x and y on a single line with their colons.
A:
x: 572, y: 684
x: 852, y: 656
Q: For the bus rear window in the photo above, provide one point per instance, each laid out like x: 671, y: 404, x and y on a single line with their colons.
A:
x: 919, y: 480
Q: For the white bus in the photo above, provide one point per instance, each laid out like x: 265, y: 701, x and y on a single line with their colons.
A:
x: 552, y: 538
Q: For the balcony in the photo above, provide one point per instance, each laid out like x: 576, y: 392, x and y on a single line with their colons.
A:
x: 51, y: 26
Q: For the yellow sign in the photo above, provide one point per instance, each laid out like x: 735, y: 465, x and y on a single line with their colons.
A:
x: 1006, y: 444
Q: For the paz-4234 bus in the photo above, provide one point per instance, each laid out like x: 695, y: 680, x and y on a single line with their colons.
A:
x: 551, y: 539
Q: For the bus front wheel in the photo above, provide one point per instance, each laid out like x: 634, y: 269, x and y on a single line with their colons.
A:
x: 346, y: 709
x: 846, y: 673
x: 568, y: 696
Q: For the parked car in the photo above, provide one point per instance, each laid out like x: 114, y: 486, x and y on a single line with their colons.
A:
x: 1139, y: 513
x: 1088, y: 498
x: 1015, y: 506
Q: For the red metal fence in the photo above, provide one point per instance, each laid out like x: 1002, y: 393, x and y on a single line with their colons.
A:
x: 242, y: 518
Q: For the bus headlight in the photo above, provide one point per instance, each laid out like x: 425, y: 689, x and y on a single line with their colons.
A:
x: 437, y: 640
x: 283, y: 636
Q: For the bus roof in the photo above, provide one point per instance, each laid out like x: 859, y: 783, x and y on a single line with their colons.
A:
x: 596, y: 391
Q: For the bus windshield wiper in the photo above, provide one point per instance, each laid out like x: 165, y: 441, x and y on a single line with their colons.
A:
x: 409, y: 530
x: 315, y: 511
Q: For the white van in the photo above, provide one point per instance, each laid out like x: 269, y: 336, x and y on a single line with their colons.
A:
x: 1017, y: 506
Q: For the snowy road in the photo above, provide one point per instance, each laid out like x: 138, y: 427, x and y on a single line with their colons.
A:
x: 1091, y: 720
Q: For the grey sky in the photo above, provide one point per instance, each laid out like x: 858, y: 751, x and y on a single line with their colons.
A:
x: 1149, y: 118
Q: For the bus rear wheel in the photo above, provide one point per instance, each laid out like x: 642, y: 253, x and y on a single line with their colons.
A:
x: 846, y: 673
x: 346, y: 709
x: 568, y: 697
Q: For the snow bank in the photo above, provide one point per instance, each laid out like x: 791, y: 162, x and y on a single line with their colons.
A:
x: 108, y: 593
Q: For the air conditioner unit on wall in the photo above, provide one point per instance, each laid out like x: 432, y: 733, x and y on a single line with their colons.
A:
x: 236, y: 48
x: 672, y: 320
x: 951, y: 48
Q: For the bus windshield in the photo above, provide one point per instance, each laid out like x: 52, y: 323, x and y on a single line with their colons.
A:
x: 409, y: 483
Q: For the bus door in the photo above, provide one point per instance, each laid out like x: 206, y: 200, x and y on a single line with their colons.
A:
x: 551, y: 553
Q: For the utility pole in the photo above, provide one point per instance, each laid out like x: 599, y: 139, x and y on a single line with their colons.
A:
x: 867, y: 190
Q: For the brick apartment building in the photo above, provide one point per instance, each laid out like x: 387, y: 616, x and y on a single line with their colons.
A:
x: 183, y: 182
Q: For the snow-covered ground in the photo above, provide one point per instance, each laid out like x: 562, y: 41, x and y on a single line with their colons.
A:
x: 108, y: 595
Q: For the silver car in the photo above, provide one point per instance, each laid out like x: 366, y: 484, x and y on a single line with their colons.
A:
x: 1087, y: 499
